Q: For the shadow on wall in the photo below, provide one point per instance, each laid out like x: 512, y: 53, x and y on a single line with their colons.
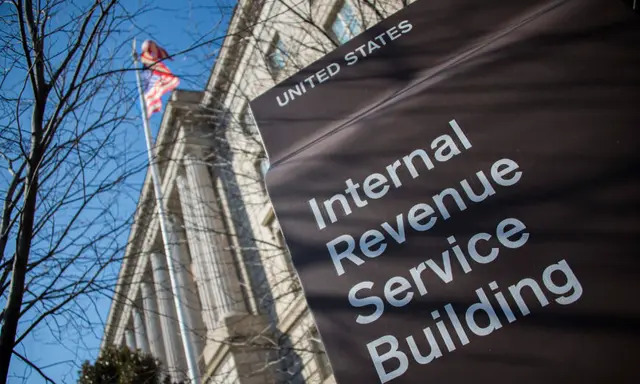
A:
x: 289, y: 361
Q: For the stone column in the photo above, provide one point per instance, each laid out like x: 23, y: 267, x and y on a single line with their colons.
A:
x: 152, y: 321
x: 205, y: 285
x: 174, y: 352
x: 219, y: 262
x: 140, y: 333
x: 130, y: 339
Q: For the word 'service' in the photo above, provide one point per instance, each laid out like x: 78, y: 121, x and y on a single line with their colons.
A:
x: 510, y: 233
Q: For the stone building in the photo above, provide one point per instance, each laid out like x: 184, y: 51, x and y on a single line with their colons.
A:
x: 247, y: 318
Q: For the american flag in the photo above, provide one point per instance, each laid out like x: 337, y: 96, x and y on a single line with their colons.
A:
x: 158, y: 79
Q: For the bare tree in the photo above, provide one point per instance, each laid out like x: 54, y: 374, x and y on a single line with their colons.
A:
x: 65, y: 111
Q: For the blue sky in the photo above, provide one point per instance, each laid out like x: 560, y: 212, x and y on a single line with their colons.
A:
x: 175, y: 26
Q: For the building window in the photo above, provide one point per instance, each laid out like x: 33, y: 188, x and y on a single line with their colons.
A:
x: 276, y: 233
x: 346, y: 24
x: 277, y: 56
x: 247, y: 122
x: 270, y: 222
x: 261, y: 165
x: 264, y: 165
x: 319, y: 354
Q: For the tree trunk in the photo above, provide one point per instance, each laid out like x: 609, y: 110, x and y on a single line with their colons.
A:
x: 19, y: 268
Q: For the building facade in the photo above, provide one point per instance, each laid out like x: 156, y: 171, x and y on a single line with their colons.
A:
x: 244, y: 309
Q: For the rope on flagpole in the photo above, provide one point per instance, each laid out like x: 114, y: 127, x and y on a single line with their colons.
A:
x: 168, y: 236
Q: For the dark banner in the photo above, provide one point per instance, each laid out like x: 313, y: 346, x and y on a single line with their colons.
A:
x: 459, y: 189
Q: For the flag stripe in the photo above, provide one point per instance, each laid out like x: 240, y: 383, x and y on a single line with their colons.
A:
x: 159, y: 79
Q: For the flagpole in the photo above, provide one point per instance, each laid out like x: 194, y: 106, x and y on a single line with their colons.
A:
x: 167, y: 235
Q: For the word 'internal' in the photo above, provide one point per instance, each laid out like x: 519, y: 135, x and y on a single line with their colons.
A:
x: 376, y: 185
